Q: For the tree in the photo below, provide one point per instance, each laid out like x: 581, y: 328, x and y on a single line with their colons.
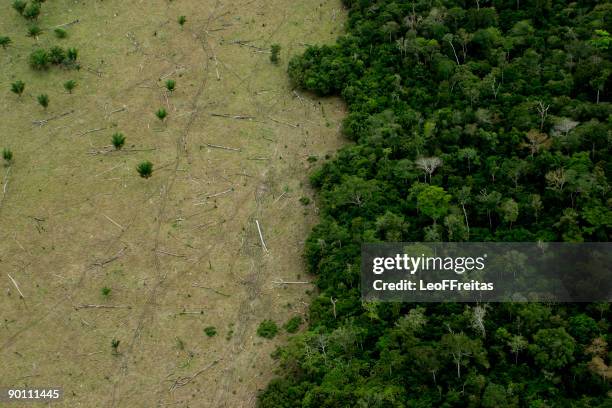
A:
x: 5, y: 41
x: 461, y: 348
x: 517, y: 344
x: 537, y: 141
x: 145, y: 169
x: 70, y: 85
x: 433, y: 201
x: 552, y: 349
x: 43, y: 100
x: 428, y: 165
x: 118, y: 140
x: 18, y: 87
x: 274, y: 53
x: 509, y: 210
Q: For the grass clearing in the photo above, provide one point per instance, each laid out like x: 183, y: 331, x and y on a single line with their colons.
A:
x: 181, y: 250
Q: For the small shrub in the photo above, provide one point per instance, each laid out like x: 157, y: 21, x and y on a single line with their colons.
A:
x: 70, y: 85
x: 275, y: 51
x: 5, y: 41
x: 57, y: 55
x: 72, y: 54
x: 32, y: 11
x: 115, y: 346
x: 118, y: 140
x: 34, y: 31
x: 161, y: 114
x: 19, y: 6
x: 170, y: 85
x: 305, y: 200
x: 43, y: 100
x: 145, y: 169
x: 210, y: 331
x: 267, y: 329
x: 60, y: 33
x: 39, y: 60
x: 182, y: 20
x: 105, y: 291
x: 293, y: 324
x: 312, y: 159
x: 7, y: 155
x: 18, y: 87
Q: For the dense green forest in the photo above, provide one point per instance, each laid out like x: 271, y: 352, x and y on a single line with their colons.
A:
x: 480, y: 120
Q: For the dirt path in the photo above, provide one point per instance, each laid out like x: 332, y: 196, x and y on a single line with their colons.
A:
x: 180, y: 251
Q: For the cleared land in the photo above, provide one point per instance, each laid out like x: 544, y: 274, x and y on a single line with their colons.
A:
x: 180, y: 251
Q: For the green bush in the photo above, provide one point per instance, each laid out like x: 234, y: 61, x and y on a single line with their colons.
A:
x: 5, y: 41
x: 182, y: 20
x: 39, y: 59
x: 267, y: 329
x: 210, y: 331
x: 72, y: 54
x: 274, y: 53
x: 43, y: 100
x: 170, y: 85
x: 145, y: 169
x: 18, y: 87
x: 60, y: 33
x: 118, y: 140
x: 32, y: 11
x: 293, y: 325
x: 70, y: 85
x: 105, y: 291
x: 7, y: 155
x: 34, y: 31
x: 57, y: 55
x: 161, y: 114
x: 305, y: 200
x: 19, y: 6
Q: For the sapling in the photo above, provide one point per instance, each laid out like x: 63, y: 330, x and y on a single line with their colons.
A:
x: 72, y: 54
x: 7, y: 155
x: 170, y: 85
x: 43, y: 100
x: 161, y: 114
x: 118, y: 140
x: 18, y: 87
x: 19, y: 6
x: 115, y: 346
x: 105, y: 291
x: 70, y: 85
x: 182, y: 20
x: 267, y: 329
x: 34, y: 31
x: 5, y: 41
x: 39, y: 59
x: 57, y: 55
x: 145, y: 169
x: 32, y: 11
x: 210, y: 331
x: 60, y: 33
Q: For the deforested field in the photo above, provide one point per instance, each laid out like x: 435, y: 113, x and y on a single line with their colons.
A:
x: 129, y: 291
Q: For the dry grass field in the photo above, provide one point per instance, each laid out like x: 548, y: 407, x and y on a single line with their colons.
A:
x: 179, y: 251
